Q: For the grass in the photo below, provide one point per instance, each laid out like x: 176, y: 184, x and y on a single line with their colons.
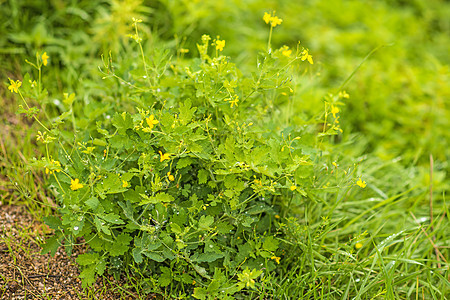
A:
x: 395, y: 127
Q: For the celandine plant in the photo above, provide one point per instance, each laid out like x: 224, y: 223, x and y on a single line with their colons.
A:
x: 190, y: 190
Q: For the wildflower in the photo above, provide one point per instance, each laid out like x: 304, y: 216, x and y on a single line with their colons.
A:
x: 286, y: 51
x: 233, y: 102
x: 14, y: 85
x: 343, y: 94
x: 75, y: 184
x: 277, y: 216
x: 125, y: 184
x: 276, y: 258
x: 306, y: 56
x: 361, y: 183
x: 45, y: 58
x: 220, y: 44
x: 334, y: 110
x: 183, y: 50
x: 293, y: 188
x: 170, y: 176
x: 164, y: 157
x: 273, y: 20
x: 334, y: 164
x: 358, y: 245
x: 267, y: 17
x: 151, y: 121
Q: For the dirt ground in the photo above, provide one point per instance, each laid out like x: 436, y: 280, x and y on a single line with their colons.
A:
x: 26, y: 274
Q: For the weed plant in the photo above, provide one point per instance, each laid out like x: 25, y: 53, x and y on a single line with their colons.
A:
x: 192, y: 175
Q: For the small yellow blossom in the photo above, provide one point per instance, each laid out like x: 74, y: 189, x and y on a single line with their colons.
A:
x: 151, y: 121
x: 164, y: 157
x: 286, y: 51
x: 183, y: 50
x: 343, y: 94
x: 361, y: 183
x: 277, y: 216
x: 125, y: 184
x: 220, y: 44
x: 306, y: 56
x: 193, y: 282
x: 334, y: 164
x: 75, y: 184
x: 170, y: 176
x: 233, y: 102
x: 276, y: 258
x: 358, y: 245
x: 45, y: 58
x: 334, y: 110
x: 14, y: 85
x: 275, y: 21
x: 293, y: 188
x: 267, y: 17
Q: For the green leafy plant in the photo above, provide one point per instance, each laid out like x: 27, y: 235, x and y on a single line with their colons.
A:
x: 191, y: 186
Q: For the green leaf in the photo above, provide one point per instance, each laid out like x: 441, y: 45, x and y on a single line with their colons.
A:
x: 186, y: 112
x: 92, y: 203
x: 122, y: 121
x: 165, y: 278
x: 202, y: 176
x: 101, y: 226
x: 86, y: 259
x: 207, y: 257
x: 270, y: 243
x: 154, y: 256
x: 120, y: 245
x: 88, y: 276
x: 53, y: 222
x: 205, y: 222
x: 158, y: 198
x: 137, y: 255
x: 52, y: 244
x: 111, y: 218
x: 200, y: 293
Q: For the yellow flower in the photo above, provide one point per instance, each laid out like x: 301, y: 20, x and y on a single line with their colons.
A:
x: 220, y: 44
x: 151, y: 121
x: 267, y: 17
x: 170, y: 176
x: 306, y: 56
x: 286, y: 51
x: 275, y: 21
x: 75, y: 184
x: 183, y: 50
x: 164, y: 156
x: 14, y: 85
x: 343, y: 94
x: 277, y: 216
x: 334, y: 164
x: 125, y: 184
x: 334, y: 110
x: 45, y: 58
x: 293, y: 188
x: 276, y: 258
x: 358, y: 245
x: 233, y: 102
x: 361, y: 183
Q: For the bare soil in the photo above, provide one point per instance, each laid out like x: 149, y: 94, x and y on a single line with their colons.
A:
x: 26, y: 274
